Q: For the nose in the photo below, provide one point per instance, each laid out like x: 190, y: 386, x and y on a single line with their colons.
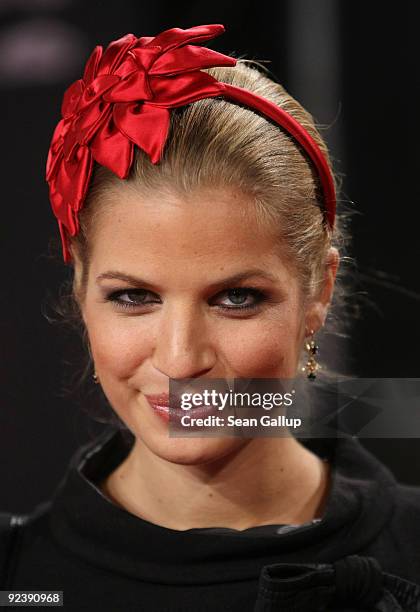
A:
x: 183, y: 347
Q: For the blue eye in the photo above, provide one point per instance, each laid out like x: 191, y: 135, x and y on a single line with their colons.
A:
x: 135, y: 298
x: 132, y: 297
x: 238, y: 297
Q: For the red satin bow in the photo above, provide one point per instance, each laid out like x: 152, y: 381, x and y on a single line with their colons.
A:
x: 123, y: 100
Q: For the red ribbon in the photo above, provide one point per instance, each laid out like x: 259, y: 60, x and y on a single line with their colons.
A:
x: 124, y: 99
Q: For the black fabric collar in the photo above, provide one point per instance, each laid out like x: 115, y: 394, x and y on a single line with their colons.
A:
x: 87, y: 523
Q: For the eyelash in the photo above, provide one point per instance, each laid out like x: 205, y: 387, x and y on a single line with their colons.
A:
x: 258, y: 295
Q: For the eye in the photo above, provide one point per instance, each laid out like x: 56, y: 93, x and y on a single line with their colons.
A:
x: 130, y: 298
x: 238, y: 296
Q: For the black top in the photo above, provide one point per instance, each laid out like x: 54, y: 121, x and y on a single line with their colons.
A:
x: 104, y: 558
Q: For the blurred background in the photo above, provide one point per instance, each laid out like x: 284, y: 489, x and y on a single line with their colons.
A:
x: 351, y: 64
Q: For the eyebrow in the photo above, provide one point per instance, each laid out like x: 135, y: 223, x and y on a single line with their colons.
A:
x: 236, y: 278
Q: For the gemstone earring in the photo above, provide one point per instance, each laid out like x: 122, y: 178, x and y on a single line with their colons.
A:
x: 95, y: 378
x: 311, y: 365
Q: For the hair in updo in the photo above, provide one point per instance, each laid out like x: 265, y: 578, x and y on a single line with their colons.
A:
x: 213, y: 143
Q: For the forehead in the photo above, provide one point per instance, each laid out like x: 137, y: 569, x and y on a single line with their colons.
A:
x: 214, y: 228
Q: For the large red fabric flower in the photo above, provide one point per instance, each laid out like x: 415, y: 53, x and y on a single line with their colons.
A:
x: 121, y: 101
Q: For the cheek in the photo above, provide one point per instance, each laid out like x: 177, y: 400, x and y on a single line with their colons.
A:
x: 265, y: 349
x: 118, y: 344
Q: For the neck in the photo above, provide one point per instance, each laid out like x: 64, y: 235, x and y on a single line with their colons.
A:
x: 268, y: 481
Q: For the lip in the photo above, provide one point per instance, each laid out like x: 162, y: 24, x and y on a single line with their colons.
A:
x: 172, y: 410
x: 162, y: 400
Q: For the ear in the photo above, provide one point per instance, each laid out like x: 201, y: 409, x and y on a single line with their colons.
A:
x: 317, y: 309
x: 78, y: 280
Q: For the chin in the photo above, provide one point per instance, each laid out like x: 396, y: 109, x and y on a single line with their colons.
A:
x: 153, y: 433
x: 194, y: 450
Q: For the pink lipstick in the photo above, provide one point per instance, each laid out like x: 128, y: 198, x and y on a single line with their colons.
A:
x: 172, y: 410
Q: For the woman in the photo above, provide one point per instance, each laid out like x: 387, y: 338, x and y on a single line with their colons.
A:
x: 196, y: 203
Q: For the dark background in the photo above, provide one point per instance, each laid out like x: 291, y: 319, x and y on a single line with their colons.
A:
x: 352, y: 64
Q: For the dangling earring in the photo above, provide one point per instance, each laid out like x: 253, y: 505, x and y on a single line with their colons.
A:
x: 95, y: 378
x: 311, y: 365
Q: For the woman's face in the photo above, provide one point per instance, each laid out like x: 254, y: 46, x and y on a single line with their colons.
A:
x: 162, y: 302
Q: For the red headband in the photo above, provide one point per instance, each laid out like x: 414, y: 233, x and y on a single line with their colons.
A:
x: 123, y: 100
